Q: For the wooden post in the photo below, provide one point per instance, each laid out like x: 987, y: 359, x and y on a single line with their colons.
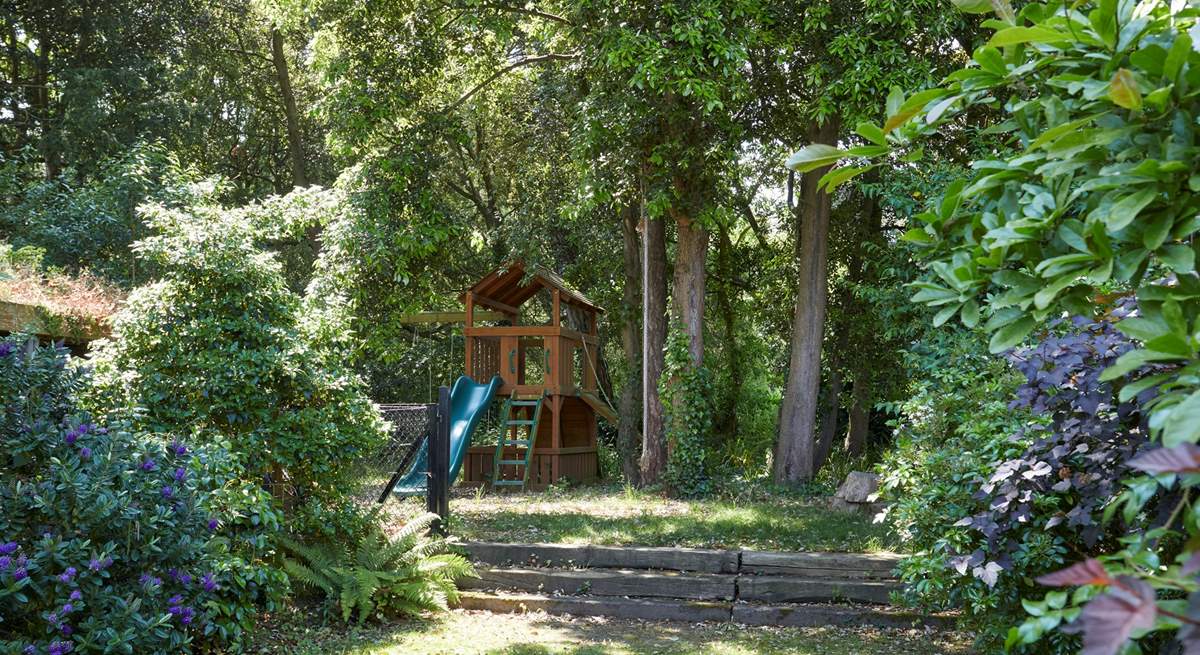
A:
x: 556, y: 317
x: 469, y: 368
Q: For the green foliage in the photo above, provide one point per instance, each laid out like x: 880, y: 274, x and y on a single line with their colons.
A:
x: 72, y: 494
x: 685, y: 391
x: 954, y: 428
x: 221, y: 346
x: 90, y: 225
x: 381, y: 576
x: 1095, y: 194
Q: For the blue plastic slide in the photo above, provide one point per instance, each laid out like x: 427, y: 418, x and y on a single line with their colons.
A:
x: 469, y: 401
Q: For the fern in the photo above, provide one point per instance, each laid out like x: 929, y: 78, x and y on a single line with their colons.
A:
x: 406, y: 574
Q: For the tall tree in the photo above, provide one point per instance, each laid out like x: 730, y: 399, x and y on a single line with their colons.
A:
x: 826, y: 66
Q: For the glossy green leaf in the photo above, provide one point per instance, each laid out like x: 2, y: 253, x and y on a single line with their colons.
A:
x: 814, y: 156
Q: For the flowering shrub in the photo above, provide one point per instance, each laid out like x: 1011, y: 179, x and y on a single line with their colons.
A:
x: 104, y: 537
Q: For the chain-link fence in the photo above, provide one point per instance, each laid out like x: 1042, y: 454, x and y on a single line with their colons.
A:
x: 410, y: 427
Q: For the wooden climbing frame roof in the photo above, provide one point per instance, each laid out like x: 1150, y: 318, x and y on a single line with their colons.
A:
x: 514, y: 283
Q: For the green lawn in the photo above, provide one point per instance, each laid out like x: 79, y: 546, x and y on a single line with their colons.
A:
x: 618, y: 516
x: 480, y: 633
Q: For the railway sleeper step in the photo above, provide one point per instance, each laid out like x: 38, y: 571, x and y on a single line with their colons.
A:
x: 791, y: 614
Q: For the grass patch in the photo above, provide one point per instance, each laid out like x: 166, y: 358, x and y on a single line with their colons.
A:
x: 622, y: 516
x: 481, y: 633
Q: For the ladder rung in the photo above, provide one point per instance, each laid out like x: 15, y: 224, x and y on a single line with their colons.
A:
x: 512, y: 462
x: 516, y: 442
x: 525, y: 403
x: 508, y: 483
x: 521, y: 422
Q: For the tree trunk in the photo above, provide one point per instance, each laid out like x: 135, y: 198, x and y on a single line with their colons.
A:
x: 654, y: 337
x: 628, y: 439
x: 727, y: 420
x: 295, y: 145
x: 15, y: 88
x: 41, y: 104
x: 831, y: 416
x: 860, y: 415
x: 687, y: 292
x: 868, y: 228
x: 795, y: 448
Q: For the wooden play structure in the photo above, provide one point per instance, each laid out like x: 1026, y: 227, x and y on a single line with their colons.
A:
x: 546, y: 353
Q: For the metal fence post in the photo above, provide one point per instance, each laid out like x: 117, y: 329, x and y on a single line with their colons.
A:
x: 437, y: 491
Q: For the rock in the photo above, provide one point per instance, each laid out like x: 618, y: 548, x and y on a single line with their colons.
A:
x: 859, y: 487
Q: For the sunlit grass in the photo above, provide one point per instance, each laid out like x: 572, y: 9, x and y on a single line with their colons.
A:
x: 481, y: 633
x: 620, y: 516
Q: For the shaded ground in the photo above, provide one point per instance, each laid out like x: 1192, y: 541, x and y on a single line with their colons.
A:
x: 481, y: 633
x: 619, y: 516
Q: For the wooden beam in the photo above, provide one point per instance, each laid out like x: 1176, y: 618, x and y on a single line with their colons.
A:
x: 495, y: 304
x: 449, y: 317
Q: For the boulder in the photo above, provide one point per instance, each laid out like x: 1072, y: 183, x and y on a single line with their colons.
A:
x: 859, y: 487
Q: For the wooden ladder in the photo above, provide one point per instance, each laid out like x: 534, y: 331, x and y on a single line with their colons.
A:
x: 508, y: 427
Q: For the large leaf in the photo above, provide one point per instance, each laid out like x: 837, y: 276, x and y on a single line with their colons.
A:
x: 1036, y: 34
x: 912, y: 107
x: 1011, y: 334
x: 1123, y: 90
x: 1183, y: 424
x: 814, y: 156
x: 1184, y: 458
x: 1109, y: 619
x: 1088, y: 572
x: 974, y: 6
x: 1124, y: 211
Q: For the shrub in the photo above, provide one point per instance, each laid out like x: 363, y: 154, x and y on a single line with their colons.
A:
x: 951, y: 432
x: 105, y: 541
x: 375, y: 575
x: 221, y: 348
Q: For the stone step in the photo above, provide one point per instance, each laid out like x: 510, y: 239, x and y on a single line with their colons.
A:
x: 608, y: 582
x: 692, y: 611
x: 817, y: 565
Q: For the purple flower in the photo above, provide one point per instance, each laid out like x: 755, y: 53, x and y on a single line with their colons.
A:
x: 68, y: 574
x: 212, y: 524
x: 85, y: 452
x: 20, y: 574
x: 149, y: 465
x: 179, y: 449
x: 167, y: 491
x: 6, y: 349
x: 149, y: 580
x: 107, y: 562
x: 67, y: 629
x: 8, y: 548
x: 209, y: 584
x: 29, y: 650
x: 175, y: 600
x: 180, y: 474
x: 5, y: 562
x: 68, y: 608
x: 75, y: 595
x: 71, y: 437
x: 94, y: 564
x: 187, y: 615
x: 52, y: 618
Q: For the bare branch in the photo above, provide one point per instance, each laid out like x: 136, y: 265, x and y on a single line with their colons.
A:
x: 528, y: 61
